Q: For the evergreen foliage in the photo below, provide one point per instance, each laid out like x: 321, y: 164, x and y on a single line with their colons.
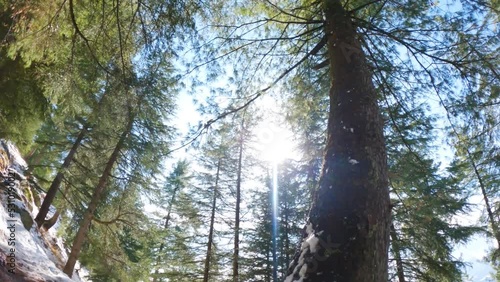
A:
x: 88, y: 92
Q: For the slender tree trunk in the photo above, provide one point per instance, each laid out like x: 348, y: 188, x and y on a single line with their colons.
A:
x: 489, y: 210
x: 286, y: 232
x: 51, y: 221
x: 167, y: 220
x: 237, y: 213
x: 56, y: 183
x: 206, y: 272
x: 347, y: 235
x: 397, y: 254
x: 96, y: 198
x: 269, y: 269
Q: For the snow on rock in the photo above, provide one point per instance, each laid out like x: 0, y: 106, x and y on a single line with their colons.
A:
x: 313, y: 241
x: 26, y: 254
x: 16, y: 161
x: 309, y: 228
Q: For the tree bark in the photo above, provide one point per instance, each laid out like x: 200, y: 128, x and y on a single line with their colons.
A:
x: 56, y: 183
x: 206, y: 272
x: 51, y: 221
x: 96, y: 197
x: 347, y: 236
x: 237, y: 212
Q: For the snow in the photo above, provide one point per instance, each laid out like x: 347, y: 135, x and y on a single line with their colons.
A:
x: 303, y: 271
x: 313, y: 241
x: 310, y: 245
x: 309, y: 228
x: 29, y: 250
x: 353, y: 161
x: 289, y: 278
x: 17, y: 162
x: 30, y: 255
x: 348, y: 129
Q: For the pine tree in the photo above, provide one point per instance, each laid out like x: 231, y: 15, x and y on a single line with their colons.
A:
x: 175, y: 255
x: 96, y: 197
x: 382, y: 49
x: 257, y: 265
x: 24, y: 105
x: 351, y: 207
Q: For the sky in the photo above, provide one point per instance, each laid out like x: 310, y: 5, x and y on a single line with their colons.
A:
x: 276, y: 143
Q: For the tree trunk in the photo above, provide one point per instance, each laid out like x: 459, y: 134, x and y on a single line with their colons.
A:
x: 237, y: 212
x: 397, y: 254
x: 286, y: 232
x: 167, y: 220
x: 56, y: 183
x: 206, y: 271
x: 489, y: 210
x: 347, y: 235
x: 96, y: 197
x: 269, y: 269
x: 50, y: 222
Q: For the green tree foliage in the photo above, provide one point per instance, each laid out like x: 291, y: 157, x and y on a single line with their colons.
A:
x: 426, y: 204
x: 108, y: 72
x: 293, y: 206
x: 416, y: 53
x: 257, y: 262
x: 175, y: 254
x: 216, y: 180
x: 24, y: 106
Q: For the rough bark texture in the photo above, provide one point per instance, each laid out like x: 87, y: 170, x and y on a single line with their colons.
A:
x: 206, y: 272
x: 56, y: 183
x: 96, y: 198
x: 347, y: 236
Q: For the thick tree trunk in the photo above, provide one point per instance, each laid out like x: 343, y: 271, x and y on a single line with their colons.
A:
x: 347, y: 236
x: 206, y: 272
x: 237, y: 212
x: 96, y: 198
x: 397, y: 254
x: 56, y: 183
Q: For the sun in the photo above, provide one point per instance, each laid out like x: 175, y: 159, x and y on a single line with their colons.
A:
x: 274, y: 143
